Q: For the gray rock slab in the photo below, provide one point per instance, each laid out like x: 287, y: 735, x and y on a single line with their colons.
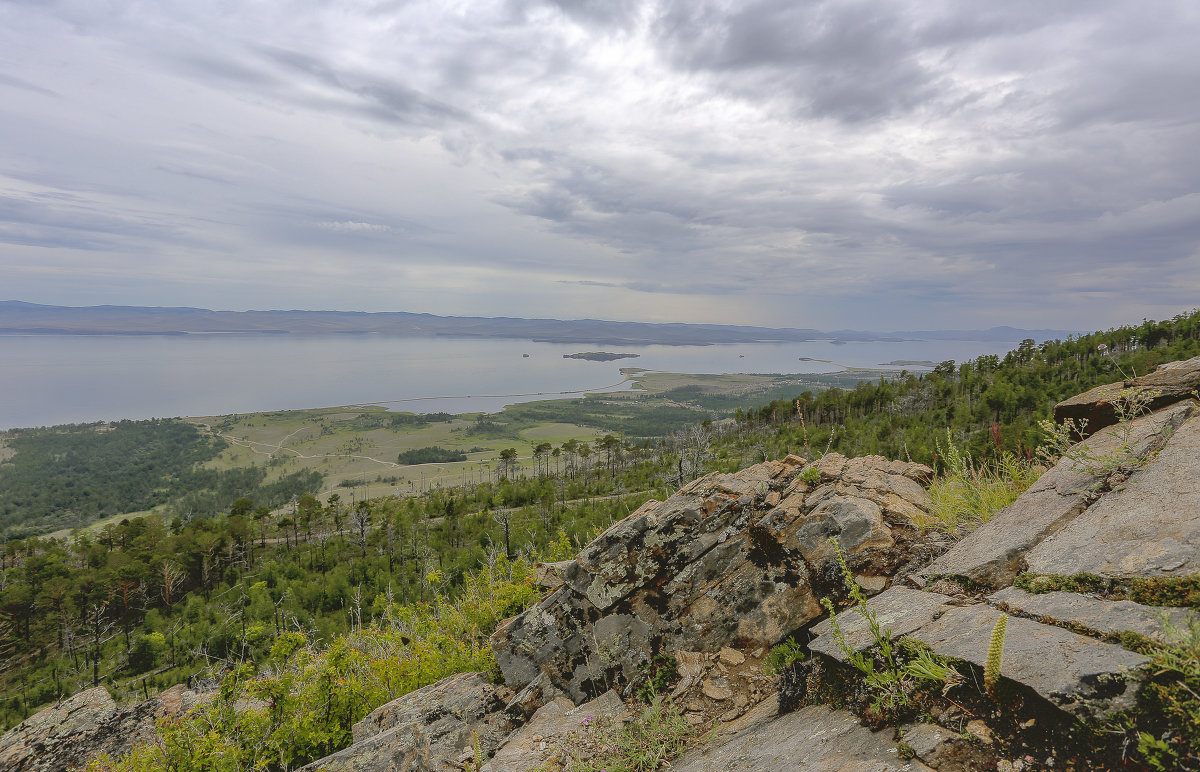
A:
x: 1109, y: 617
x: 813, y: 739
x: 74, y: 732
x: 528, y: 748
x: 1078, y: 674
x: 899, y: 610
x: 428, y: 730
x: 995, y: 553
x: 1148, y: 527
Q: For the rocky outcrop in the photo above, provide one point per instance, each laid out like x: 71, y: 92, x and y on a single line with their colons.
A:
x: 89, y: 724
x: 1051, y: 510
x: 559, y: 722
x: 1170, y: 383
x: 730, y: 560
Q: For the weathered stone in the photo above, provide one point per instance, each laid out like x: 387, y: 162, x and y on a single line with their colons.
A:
x: 813, y: 739
x: 995, y: 553
x: 1080, y: 675
x: 716, y: 565
x: 1150, y: 526
x: 551, y: 576
x: 1106, y: 617
x: 528, y: 748
x: 1174, y: 382
x: 81, y: 728
x: 948, y: 751
x: 425, y: 730
x: 716, y: 689
x: 537, y: 693
x: 731, y: 657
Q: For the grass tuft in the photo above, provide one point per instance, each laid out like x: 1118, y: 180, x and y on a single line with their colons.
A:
x: 968, y: 494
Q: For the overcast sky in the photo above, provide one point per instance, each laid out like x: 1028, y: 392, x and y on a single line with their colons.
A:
x: 871, y: 165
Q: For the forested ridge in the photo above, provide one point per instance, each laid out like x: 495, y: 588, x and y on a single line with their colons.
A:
x: 149, y: 602
x: 990, y: 404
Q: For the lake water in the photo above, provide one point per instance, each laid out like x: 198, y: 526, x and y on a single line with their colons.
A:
x: 56, y: 379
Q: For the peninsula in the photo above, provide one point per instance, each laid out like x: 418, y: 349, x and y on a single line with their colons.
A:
x: 600, y: 356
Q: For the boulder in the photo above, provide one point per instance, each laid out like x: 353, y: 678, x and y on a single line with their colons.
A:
x: 731, y: 560
x: 948, y: 751
x: 1172, y: 382
x: 85, y: 726
x: 430, y: 730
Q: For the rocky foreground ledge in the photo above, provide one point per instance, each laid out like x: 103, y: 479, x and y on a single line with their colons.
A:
x: 1091, y: 567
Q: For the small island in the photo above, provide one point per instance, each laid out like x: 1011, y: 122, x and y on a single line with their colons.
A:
x: 599, y: 356
x: 910, y: 363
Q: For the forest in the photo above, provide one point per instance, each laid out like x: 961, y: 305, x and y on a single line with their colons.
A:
x: 70, y: 476
x: 144, y: 603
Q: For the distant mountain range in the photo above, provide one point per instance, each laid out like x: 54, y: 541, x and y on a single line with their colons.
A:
x: 17, y: 317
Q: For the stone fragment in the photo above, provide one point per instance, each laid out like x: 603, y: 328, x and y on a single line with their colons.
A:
x: 716, y: 688
x: 980, y: 730
x: 872, y: 585
x: 731, y: 657
x: 1107, y: 617
x: 527, y: 748
x: 945, y: 750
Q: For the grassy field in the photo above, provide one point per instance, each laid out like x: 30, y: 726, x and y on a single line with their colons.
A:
x: 356, y: 447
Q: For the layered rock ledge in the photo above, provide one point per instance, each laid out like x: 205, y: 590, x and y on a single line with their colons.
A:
x: 736, y: 560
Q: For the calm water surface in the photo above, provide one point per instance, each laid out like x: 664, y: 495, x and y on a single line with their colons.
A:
x: 55, y: 379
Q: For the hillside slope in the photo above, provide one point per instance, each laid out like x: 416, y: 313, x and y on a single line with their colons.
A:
x: 1061, y: 634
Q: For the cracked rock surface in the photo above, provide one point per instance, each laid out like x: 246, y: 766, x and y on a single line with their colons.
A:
x: 731, y: 560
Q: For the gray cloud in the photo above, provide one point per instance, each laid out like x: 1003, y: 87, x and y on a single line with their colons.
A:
x: 15, y: 82
x: 814, y: 164
x: 375, y: 97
